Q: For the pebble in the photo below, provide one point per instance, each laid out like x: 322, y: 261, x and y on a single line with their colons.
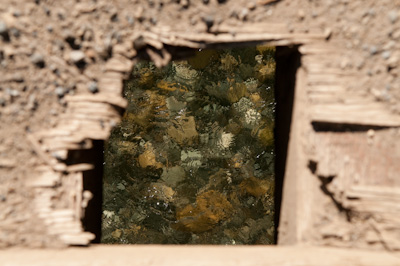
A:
x: 60, y: 91
x: 15, y: 32
x: 243, y: 14
x: 3, y: 28
x: 393, y: 16
x: 12, y: 93
x: 93, y: 88
x: 49, y: 28
x: 76, y: 56
x: 386, y: 55
x: 301, y: 14
x: 18, y: 77
x: 17, y: 13
x: 373, y: 50
x: 130, y: 20
x: 209, y: 20
x: 184, y: 3
x: 37, y: 59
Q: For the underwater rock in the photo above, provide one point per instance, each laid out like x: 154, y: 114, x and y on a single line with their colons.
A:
x: 172, y: 176
x: 117, y: 233
x: 191, y: 159
x: 264, y: 72
x: 185, y: 74
x: 148, y: 157
x: 228, y: 62
x: 225, y: 140
x: 236, y: 92
x: 161, y: 192
x: 227, y: 90
x: 265, y: 135
x: 146, y: 77
x: 183, y: 131
x: 175, y: 106
x: 251, y: 84
x: 237, y: 160
x: 210, y: 208
x: 255, y: 187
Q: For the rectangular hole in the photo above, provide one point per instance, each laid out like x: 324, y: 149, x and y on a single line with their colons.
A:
x: 141, y: 203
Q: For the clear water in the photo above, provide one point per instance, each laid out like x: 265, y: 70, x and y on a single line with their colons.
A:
x: 192, y: 161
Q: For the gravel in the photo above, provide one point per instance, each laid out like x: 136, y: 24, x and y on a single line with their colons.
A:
x: 3, y: 28
x: 93, y: 88
x: 37, y: 59
x: 76, y: 56
x: 60, y: 91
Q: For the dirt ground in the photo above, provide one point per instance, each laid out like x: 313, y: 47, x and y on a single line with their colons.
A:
x: 52, y: 50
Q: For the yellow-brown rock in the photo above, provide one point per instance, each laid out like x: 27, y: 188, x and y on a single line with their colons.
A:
x: 184, y: 130
x: 237, y: 160
x: 228, y: 62
x: 210, y: 208
x: 143, y: 113
x: 148, y: 157
x: 161, y: 191
x: 255, y: 187
x: 266, y: 71
x: 266, y: 136
x: 146, y: 77
x: 168, y: 86
x: 236, y: 92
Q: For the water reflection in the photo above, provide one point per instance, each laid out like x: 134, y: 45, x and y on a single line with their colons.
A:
x: 192, y: 160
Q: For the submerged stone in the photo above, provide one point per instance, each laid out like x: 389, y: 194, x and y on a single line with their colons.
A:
x: 183, y: 131
x: 210, y: 208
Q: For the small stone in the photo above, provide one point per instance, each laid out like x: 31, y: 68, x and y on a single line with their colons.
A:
x: 15, y: 32
x: 49, y: 28
x: 93, y: 88
x: 76, y: 56
x: 373, y: 50
x: 32, y: 103
x: 3, y: 28
x: 209, y: 21
x: 18, y: 77
x: 243, y: 14
x: 120, y: 186
x: 393, y: 16
x: 2, y: 102
x: 130, y: 20
x: 17, y: 13
x: 251, y: 5
x: 37, y: 59
x: 172, y: 176
x: 386, y: 55
x: 301, y: 14
x: 184, y: 3
x: 11, y: 92
x: 60, y: 91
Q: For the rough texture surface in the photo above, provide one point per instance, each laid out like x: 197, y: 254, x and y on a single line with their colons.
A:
x: 186, y: 255
x: 62, y: 65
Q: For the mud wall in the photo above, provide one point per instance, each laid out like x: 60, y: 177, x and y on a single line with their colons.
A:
x: 62, y: 65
